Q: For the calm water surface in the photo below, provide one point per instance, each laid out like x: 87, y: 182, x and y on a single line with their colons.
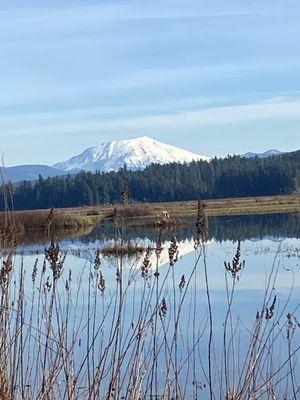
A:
x: 270, y: 250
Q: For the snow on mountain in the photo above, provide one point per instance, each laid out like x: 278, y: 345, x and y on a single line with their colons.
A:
x: 266, y: 154
x: 135, y: 153
x: 87, y: 250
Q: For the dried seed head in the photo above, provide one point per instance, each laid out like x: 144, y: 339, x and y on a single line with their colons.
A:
x: 97, y: 261
x: 182, y: 283
x: 270, y: 311
x: 163, y: 308
x: 202, y: 225
x: 101, y: 283
x: 47, y: 285
x: 68, y: 281
x: 118, y: 275
x: 34, y: 271
x: 158, y: 248
x: 236, y: 265
x: 50, y: 217
x: 5, y: 387
x: 7, y: 266
x: 44, y: 267
x: 146, y: 264
x: 173, y: 251
x: 56, y: 258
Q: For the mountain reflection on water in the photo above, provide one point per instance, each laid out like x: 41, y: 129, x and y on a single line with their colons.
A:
x: 234, y: 228
x: 274, y: 227
x: 270, y: 247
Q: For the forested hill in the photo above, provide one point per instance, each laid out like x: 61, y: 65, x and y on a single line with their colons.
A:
x: 230, y: 177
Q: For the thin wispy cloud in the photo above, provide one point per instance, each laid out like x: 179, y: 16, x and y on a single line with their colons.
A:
x: 219, y: 116
x: 35, y: 18
x: 95, y: 70
x: 19, y: 92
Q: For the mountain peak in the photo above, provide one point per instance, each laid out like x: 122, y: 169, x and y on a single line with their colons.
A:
x: 266, y: 154
x: 136, y: 153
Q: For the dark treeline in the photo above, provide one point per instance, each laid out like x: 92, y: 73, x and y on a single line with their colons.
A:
x: 220, y: 178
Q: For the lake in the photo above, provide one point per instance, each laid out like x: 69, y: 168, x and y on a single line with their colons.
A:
x: 175, y: 319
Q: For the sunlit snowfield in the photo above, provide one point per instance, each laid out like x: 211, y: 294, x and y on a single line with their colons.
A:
x: 171, y: 321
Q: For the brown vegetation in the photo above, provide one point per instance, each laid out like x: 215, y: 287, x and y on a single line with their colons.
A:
x: 36, y: 226
x: 146, y: 214
x: 128, y: 249
x: 131, y: 340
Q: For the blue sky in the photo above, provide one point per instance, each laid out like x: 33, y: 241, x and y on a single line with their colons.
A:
x: 215, y: 77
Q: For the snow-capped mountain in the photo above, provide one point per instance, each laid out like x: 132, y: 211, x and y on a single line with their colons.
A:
x: 135, y: 153
x: 266, y: 154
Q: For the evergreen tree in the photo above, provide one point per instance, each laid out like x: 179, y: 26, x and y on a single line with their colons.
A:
x: 219, y: 178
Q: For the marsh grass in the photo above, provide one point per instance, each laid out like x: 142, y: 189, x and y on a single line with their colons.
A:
x: 129, y: 249
x: 31, y: 226
x: 129, y: 211
x: 141, y: 335
x: 145, y: 215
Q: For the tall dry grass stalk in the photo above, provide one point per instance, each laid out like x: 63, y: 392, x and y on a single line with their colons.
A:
x: 141, y: 335
x: 5, y: 387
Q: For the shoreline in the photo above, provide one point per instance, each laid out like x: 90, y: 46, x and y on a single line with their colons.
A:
x: 142, y: 213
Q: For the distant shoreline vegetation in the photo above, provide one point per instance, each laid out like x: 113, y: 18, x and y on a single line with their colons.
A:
x: 232, y: 177
x: 72, y: 222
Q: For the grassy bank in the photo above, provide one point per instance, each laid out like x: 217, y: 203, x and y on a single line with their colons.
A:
x: 36, y: 226
x: 237, y: 206
x: 144, y: 213
x: 214, y: 207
